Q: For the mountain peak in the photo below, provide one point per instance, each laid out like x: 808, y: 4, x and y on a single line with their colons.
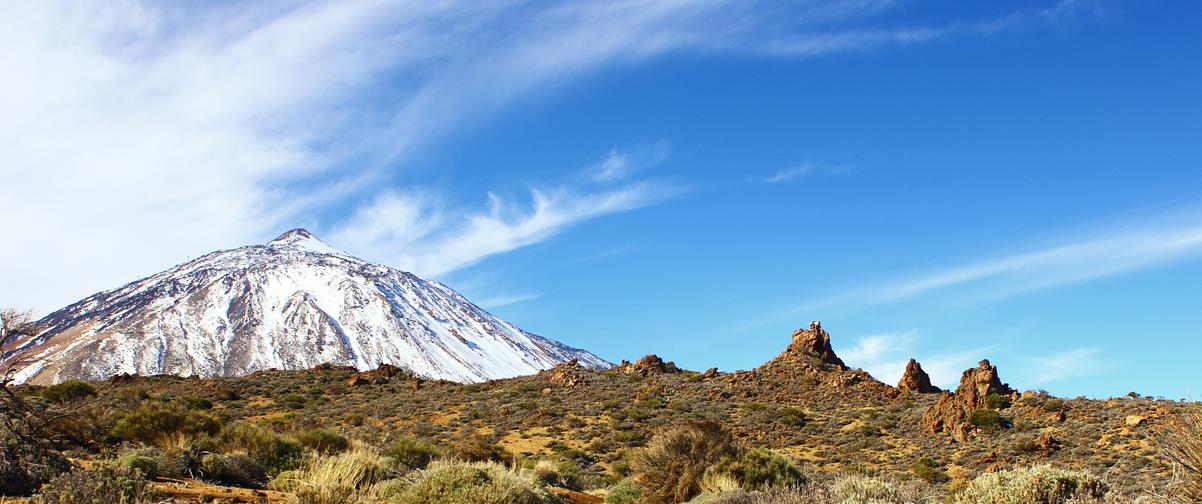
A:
x: 301, y: 238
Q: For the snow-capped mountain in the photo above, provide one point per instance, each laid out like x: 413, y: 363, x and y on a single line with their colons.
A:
x: 293, y: 303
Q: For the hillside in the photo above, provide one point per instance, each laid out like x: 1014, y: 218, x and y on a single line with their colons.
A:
x: 804, y: 404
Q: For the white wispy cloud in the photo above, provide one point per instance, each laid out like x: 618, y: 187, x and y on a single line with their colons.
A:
x: 803, y: 169
x: 425, y: 234
x: 884, y: 356
x: 499, y: 301
x: 135, y: 134
x: 1073, y: 363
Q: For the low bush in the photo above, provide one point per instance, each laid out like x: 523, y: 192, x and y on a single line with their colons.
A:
x: 323, y: 441
x: 67, y: 391
x: 144, y: 461
x: 987, y: 420
x: 997, y: 401
x: 412, y: 452
x: 477, y: 449
x: 273, y: 452
x: 153, y: 423
x: 236, y: 469
x: 475, y: 483
x: 105, y: 483
x: 626, y: 491
x: 926, y: 469
x: 759, y: 469
x: 670, y: 468
x: 1033, y: 485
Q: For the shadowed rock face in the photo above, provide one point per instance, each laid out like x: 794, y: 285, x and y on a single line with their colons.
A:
x: 650, y: 364
x: 916, y: 380
x: 950, y: 414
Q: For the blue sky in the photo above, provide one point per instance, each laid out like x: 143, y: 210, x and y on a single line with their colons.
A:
x: 944, y: 180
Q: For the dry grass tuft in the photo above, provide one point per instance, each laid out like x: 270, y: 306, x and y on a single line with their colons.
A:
x: 1181, y: 442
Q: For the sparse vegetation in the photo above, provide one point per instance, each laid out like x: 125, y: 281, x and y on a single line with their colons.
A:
x: 1033, y: 485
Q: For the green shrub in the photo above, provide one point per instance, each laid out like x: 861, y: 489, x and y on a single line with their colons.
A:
x: 790, y: 416
x: 273, y: 452
x: 477, y: 449
x: 670, y: 468
x: 1033, y: 485
x: 237, y: 469
x: 293, y: 401
x: 1055, y: 405
x: 323, y: 441
x: 153, y: 423
x: 997, y: 401
x: 626, y: 491
x: 759, y: 469
x: 67, y: 391
x: 197, y: 403
x: 475, y: 483
x: 412, y: 452
x: 926, y: 469
x: 144, y: 461
x: 987, y: 420
x: 105, y: 483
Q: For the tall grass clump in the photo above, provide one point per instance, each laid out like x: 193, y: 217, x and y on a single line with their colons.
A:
x: 335, y: 479
x: 671, y: 467
x: 1181, y: 441
x: 1033, y: 485
x: 473, y: 483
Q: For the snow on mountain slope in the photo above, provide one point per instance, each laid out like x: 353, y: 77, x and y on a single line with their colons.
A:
x: 291, y: 304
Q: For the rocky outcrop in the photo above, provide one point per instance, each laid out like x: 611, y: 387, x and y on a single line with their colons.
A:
x: 566, y: 375
x: 915, y: 380
x: 380, y: 375
x: 815, y: 341
x: 809, y: 367
x: 649, y: 365
x: 950, y: 414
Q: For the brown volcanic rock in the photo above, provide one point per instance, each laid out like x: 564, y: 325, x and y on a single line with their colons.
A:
x: 810, y: 367
x: 950, y: 414
x: 815, y: 341
x: 566, y: 374
x: 649, y: 365
x: 916, y: 380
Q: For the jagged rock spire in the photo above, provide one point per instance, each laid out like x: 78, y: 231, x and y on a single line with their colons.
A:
x: 916, y: 380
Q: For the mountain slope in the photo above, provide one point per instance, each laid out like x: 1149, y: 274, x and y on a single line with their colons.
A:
x: 293, y: 303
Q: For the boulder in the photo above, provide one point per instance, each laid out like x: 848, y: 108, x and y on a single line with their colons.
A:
x: 710, y: 373
x: 1136, y: 420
